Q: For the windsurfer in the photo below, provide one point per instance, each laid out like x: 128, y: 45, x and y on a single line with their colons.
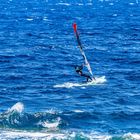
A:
x: 79, y: 71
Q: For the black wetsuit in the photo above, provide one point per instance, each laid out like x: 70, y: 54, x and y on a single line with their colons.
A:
x: 79, y: 71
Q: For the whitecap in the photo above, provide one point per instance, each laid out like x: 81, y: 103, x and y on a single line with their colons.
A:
x: 15, y: 134
x: 67, y: 4
x: 51, y: 125
x: 131, y: 3
x: 18, y: 107
x: 135, y: 136
x: 66, y: 85
x: 78, y: 111
x: 30, y: 19
x: 52, y: 111
x: 45, y: 18
x: 49, y: 136
x: 80, y: 4
x: 29, y: 135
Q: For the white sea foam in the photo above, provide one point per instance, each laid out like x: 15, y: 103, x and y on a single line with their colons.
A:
x: 30, y: 19
x: 51, y: 111
x: 78, y: 111
x: 13, y: 134
x: 131, y: 3
x: 67, y: 4
x: 80, y: 4
x: 49, y: 136
x: 133, y: 136
x: 29, y: 135
x: 52, y: 125
x: 98, y: 81
x: 45, y: 18
x: 18, y: 107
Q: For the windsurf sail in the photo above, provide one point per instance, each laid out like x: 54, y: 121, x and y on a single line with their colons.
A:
x: 81, y: 49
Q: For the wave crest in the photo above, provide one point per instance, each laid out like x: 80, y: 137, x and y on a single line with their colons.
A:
x: 15, y: 118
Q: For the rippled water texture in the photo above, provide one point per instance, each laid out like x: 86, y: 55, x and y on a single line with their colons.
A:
x: 41, y: 95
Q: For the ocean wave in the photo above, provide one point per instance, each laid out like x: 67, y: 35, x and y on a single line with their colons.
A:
x: 126, y: 115
x: 16, y: 124
x: 64, y: 135
x: 16, y: 118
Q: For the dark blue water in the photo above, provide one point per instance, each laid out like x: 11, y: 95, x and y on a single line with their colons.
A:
x: 38, y: 52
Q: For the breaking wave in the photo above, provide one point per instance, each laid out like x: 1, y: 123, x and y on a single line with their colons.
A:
x: 16, y: 118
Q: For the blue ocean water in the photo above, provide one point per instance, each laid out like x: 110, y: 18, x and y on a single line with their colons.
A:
x: 42, y: 97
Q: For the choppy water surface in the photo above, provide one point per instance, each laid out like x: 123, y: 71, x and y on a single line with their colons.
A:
x: 41, y: 96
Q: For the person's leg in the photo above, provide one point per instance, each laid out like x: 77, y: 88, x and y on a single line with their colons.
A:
x: 89, y: 79
x: 87, y: 76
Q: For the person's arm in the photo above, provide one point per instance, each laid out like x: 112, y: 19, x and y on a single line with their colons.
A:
x: 81, y: 67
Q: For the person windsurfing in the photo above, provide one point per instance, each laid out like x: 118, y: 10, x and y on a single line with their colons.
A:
x: 79, y: 68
